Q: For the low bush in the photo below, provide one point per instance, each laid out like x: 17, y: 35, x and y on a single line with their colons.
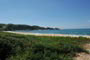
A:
x: 25, y: 47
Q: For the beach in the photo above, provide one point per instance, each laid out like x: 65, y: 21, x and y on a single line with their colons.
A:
x: 39, y: 34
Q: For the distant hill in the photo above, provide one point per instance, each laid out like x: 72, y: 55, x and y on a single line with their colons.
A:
x: 13, y: 27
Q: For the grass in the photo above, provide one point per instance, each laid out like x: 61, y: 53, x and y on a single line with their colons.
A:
x: 29, y: 47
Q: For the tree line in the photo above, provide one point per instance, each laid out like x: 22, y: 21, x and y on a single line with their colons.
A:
x: 13, y: 27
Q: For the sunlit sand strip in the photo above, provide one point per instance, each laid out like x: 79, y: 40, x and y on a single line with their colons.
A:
x: 39, y: 34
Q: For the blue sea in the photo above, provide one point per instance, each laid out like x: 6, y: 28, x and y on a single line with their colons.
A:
x: 64, y: 31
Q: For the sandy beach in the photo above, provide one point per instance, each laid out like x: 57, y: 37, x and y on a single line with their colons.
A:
x: 39, y: 34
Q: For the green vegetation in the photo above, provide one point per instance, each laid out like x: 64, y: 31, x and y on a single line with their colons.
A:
x: 28, y: 47
x: 12, y: 27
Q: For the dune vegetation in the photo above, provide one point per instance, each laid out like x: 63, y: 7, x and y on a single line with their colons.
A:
x: 29, y: 47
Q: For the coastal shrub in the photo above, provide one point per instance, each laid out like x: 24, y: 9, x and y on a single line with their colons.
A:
x: 27, y: 47
x: 70, y: 49
x: 5, y: 50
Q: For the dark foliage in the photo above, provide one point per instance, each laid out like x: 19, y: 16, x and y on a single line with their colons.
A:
x: 12, y: 27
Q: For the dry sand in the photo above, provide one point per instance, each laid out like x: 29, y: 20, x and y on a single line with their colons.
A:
x: 84, y: 56
x: 39, y: 34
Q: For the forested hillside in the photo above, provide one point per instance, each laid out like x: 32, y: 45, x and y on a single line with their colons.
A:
x: 12, y: 27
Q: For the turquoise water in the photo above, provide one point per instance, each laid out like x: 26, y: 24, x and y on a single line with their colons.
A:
x: 65, y: 31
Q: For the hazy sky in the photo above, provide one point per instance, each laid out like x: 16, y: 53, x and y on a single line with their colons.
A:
x: 55, y: 13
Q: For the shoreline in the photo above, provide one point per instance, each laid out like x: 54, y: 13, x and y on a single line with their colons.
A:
x: 39, y: 34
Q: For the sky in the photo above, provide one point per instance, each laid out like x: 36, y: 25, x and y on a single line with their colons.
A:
x: 63, y: 14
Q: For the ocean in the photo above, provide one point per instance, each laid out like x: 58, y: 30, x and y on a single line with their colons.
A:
x: 64, y: 31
